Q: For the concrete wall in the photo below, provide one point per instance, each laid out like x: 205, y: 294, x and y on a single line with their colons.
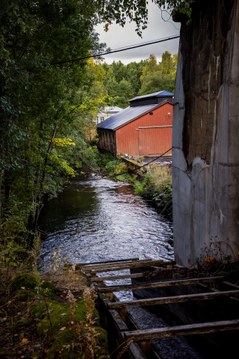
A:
x: 206, y: 136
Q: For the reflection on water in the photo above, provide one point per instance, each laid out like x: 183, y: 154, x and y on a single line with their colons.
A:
x: 99, y: 219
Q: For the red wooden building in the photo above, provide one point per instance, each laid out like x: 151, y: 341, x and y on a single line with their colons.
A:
x: 142, y: 129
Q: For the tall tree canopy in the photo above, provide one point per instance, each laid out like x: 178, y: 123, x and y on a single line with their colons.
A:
x: 137, y: 11
x: 39, y: 99
x: 159, y: 76
x: 123, y: 82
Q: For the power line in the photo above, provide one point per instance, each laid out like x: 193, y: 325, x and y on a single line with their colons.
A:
x: 117, y: 50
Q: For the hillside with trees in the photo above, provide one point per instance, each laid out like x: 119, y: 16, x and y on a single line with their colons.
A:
x: 122, y: 82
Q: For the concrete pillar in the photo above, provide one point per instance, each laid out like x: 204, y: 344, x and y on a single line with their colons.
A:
x: 206, y: 136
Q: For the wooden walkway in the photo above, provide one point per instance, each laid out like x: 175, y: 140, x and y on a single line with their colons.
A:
x: 155, y: 276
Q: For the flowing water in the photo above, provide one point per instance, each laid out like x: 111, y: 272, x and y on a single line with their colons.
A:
x: 98, y: 219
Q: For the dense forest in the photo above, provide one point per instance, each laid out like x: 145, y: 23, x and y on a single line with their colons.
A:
x: 122, y: 82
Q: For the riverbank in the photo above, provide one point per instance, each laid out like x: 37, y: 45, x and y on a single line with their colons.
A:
x: 157, y: 189
x: 152, y: 181
x: 49, y: 316
x: 60, y: 326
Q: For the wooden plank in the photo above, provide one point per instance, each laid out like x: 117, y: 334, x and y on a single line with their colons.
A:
x: 116, y: 277
x: 107, y: 267
x: 145, y: 274
x: 182, y: 330
x: 114, y: 261
x: 174, y: 299
x: 161, y: 284
x: 136, y: 351
x: 120, y: 324
x: 229, y: 284
x: 121, y: 327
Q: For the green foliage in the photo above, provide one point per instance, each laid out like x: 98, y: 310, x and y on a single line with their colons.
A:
x: 157, y: 188
x: 63, y: 142
x: 136, y: 10
x: 112, y: 167
x: 12, y: 254
x: 43, y: 125
x: 123, y: 82
x: 49, y: 290
x: 13, y: 235
x: 72, y: 325
x: 163, y: 194
x: 48, y: 321
x: 104, y: 158
x: 156, y: 77
x: 138, y: 187
x: 26, y: 280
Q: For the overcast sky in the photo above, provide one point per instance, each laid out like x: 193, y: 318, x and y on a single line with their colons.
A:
x: 160, y: 25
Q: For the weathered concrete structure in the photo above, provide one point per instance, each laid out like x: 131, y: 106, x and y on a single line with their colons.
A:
x: 206, y: 135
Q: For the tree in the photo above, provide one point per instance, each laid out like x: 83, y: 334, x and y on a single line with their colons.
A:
x: 122, y: 82
x: 168, y: 64
x: 38, y: 99
x: 136, y: 10
x: 156, y: 77
x: 125, y: 93
x: 133, y: 74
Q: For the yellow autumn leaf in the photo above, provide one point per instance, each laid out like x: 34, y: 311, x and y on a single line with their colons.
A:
x: 63, y: 142
x: 24, y: 340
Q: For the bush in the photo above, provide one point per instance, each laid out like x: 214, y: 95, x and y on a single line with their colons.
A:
x: 157, y: 188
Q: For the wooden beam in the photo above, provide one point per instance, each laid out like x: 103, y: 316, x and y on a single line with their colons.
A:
x: 96, y: 264
x: 161, y: 284
x: 114, y: 266
x: 146, y: 274
x: 174, y: 299
x: 121, y: 327
x: 229, y: 284
x: 182, y: 330
x: 116, y: 277
x: 120, y: 324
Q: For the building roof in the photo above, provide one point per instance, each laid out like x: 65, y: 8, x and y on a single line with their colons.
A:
x: 113, y: 109
x: 139, y: 106
x: 155, y: 97
x: 154, y: 94
x: 127, y: 115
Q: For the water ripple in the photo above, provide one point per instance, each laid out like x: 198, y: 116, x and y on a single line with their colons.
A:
x: 98, y: 220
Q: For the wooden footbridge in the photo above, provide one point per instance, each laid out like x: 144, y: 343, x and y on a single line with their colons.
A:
x: 200, y: 312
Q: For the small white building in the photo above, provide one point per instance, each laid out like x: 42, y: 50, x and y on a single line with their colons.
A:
x: 107, y: 112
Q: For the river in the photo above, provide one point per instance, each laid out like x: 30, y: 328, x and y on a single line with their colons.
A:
x: 98, y: 219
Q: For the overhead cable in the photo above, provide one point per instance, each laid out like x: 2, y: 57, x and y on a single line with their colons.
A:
x: 117, y: 50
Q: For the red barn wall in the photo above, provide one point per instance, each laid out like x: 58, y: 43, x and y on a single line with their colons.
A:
x: 150, y: 134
